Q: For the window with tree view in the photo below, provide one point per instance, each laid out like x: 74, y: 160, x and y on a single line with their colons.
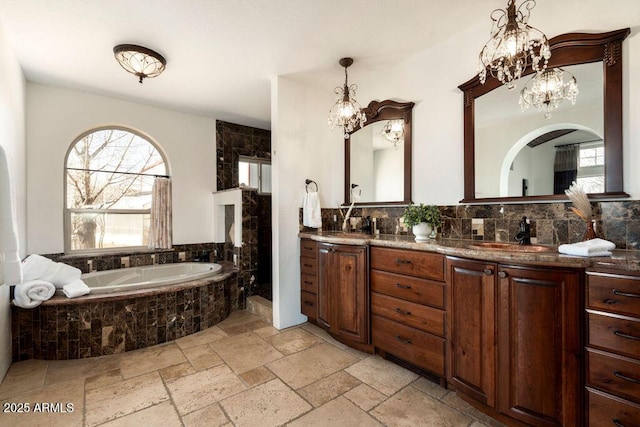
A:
x: 109, y: 177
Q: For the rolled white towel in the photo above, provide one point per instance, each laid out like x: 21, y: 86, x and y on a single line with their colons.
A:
x: 76, y: 289
x: 60, y: 274
x: 590, y: 248
x: 31, y: 294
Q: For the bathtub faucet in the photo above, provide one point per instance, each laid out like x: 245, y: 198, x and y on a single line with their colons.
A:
x: 203, y: 256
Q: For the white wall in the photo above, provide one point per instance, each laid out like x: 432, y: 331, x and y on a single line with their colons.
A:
x: 56, y: 117
x: 12, y: 140
x: 430, y: 79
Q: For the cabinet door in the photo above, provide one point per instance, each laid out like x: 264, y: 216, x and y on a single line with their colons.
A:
x: 349, y: 294
x: 471, y: 321
x: 325, y: 279
x: 539, y: 345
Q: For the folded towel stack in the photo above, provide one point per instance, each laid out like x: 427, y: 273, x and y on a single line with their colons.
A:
x: 593, y: 247
x: 38, y: 267
x: 76, y: 289
x: 31, y: 294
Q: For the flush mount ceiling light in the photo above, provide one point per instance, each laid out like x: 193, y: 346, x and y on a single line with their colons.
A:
x: 548, y: 90
x: 140, y: 61
x: 514, y: 45
x: 393, y: 132
x: 346, y: 112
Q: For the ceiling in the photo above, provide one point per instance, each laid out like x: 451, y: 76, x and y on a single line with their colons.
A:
x: 222, y: 54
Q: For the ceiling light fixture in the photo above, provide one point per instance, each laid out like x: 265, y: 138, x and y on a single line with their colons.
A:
x: 346, y: 112
x: 514, y: 45
x: 140, y: 61
x: 548, y: 90
x: 393, y: 132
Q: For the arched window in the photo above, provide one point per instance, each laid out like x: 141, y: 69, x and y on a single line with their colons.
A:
x: 109, y: 174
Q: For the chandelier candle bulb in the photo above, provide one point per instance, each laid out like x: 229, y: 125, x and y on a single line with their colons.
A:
x: 346, y: 112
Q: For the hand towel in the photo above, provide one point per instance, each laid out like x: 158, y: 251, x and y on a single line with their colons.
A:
x: 590, y: 248
x: 31, y: 294
x: 58, y: 273
x: 311, y: 210
x: 76, y: 289
x: 10, y: 266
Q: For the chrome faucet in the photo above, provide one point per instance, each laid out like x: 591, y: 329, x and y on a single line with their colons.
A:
x: 524, y: 235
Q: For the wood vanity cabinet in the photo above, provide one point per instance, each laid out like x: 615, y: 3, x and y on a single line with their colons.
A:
x: 613, y: 349
x: 514, y: 339
x: 343, y: 291
x: 408, y: 307
x: 309, y: 278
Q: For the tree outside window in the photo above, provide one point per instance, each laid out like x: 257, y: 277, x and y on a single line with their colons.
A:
x: 109, y: 176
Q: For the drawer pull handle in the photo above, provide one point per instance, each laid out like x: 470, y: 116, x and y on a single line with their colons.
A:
x: 617, y: 423
x: 404, y: 313
x: 398, y: 285
x: 306, y: 282
x: 625, y: 294
x: 626, y: 378
x: 403, y: 339
x: 402, y: 261
x: 623, y: 335
x: 308, y: 265
x: 309, y: 303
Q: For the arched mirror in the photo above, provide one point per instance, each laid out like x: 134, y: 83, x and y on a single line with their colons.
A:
x: 378, y: 156
x: 510, y: 154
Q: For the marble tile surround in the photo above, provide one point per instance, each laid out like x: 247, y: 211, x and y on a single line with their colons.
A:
x: 77, y: 329
x: 551, y: 223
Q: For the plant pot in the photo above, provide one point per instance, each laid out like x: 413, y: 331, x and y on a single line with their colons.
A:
x: 422, y: 231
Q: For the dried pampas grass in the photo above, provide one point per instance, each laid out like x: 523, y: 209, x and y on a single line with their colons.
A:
x: 581, y: 204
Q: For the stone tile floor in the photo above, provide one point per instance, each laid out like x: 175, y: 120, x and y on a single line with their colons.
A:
x: 242, y: 372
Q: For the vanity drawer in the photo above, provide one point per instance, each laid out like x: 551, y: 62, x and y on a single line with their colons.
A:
x: 309, y: 283
x: 422, y: 291
x: 309, y: 304
x: 614, y: 374
x: 614, y: 293
x: 309, y: 266
x: 412, y: 345
x: 616, y: 334
x: 413, y: 263
x: 408, y: 313
x: 606, y: 410
x: 308, y: 248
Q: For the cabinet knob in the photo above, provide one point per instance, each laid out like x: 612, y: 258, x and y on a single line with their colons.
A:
x: 502, y: 274
x: 488, y: 271
x: 401, y: 311
x: 403, y: 339
x: 627, y: 336
x: 625, y: 294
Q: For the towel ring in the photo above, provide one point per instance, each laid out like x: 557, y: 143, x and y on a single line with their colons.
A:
x: 307, y: 182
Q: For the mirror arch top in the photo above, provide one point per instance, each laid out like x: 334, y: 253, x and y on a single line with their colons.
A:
x: 378, y: 111
x: 566, y: 49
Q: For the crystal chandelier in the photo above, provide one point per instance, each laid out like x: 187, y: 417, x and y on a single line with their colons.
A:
x: 346, y: 112
x: 514, y: 45
x: 548, y: 90
x: 393, y: 131
x: 140, y: 61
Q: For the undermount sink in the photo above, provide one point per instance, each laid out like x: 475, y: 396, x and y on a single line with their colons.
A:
x: 510, y: 247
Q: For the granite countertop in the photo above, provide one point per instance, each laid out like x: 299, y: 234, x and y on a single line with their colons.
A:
x: 621, y: 260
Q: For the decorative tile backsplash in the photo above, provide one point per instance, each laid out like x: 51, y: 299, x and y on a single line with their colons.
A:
x: 551, y: 223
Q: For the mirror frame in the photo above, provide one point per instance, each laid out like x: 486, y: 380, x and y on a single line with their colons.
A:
x: 377, y: 111
x: 566, y: 49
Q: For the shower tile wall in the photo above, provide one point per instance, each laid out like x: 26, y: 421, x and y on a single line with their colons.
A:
x: 254, y: 258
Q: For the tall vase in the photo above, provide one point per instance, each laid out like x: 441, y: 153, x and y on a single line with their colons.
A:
x: 590, y: 232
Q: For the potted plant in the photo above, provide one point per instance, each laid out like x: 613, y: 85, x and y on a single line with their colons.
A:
x: 423, y: 219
